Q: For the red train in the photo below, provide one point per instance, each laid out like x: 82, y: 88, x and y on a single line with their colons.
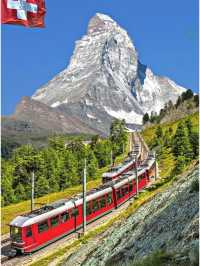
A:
x: 127, y: 165
x: 32, y: 231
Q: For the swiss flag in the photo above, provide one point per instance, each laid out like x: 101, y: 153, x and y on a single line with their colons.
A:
x: 29, y: 13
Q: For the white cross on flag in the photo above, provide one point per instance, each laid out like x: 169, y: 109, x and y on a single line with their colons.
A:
x: 28, y: 13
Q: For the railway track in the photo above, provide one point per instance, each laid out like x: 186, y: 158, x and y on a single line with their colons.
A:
x: 27, y: 259
x: 138, y: 140
x: 6, y: 260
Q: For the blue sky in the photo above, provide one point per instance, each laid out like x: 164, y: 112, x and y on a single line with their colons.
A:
x: 165, y: 34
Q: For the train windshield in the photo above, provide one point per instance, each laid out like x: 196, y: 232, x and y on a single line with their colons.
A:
x: 16, y: 233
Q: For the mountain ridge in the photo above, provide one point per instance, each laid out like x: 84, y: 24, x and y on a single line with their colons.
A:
x: 105, y: 79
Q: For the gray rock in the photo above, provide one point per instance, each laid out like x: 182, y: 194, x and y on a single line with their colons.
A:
x: 105, y: 79
x: 167, y: 223
x: 194, y: 253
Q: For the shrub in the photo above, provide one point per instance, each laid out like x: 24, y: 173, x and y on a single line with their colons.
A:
x: 195, y: 185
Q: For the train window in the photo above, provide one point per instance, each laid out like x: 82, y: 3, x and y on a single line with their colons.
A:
x: 102, y: 202
x: 95, y: 205
x: 141, y: 177
x: 16, y: 233
x: 130, y: 186
x: 64, y: 217
x: 43, y: 227
x: 109, y: 198
x: 118, y: 194
x: 28, y: 231
x: 75, y: 212
x: 88, y: 209
x: 124, y: 191
x: 54, y: 221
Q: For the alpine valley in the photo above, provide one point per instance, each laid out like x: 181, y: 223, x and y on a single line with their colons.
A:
x: 104, y: 80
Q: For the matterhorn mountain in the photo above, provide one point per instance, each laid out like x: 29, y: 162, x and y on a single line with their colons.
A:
x: 105, y: 79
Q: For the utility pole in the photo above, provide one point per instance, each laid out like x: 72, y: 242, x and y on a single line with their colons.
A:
x: 130, y: 142
x: 32, y: 190
x: 84, y: 198
x: 156, y: 170
x: 111, y: 158
x: 136, y: 174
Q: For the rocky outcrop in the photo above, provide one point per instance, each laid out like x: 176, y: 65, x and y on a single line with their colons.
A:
x: 34, y: 121
x: 105, y: 79
x: 168, y: 222
x: 42, y: 116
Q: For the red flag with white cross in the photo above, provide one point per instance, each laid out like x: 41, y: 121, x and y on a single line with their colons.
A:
x: 29, y: 13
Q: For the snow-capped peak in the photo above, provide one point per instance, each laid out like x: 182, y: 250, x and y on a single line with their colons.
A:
x: 104, y: 17
x: 104, y: 70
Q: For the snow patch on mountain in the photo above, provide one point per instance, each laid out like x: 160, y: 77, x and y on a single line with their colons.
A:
x: 105, y: 70
x: 91, y: 116
x: 129, y: 117
x: 55, y: 104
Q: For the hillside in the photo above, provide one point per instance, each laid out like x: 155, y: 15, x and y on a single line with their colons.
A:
x: 149, y: 132
x: 34, y: 122
x: 186, y: 104
x: 167, y: 226
x: 161, y: 226
x: 185, y: 108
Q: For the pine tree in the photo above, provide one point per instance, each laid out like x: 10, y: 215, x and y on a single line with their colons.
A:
x: 188, y: 124
x: 196, y: 100
x: 170, y: 131
x: 41, y: 186
x: 103, y: 152
x: 187, y: 95
x: 178, y: 102
x: 94, y: 141
x: 159, y: 132
x: 181, y: 145
x: 180, y: 163
x: 57, y: 143
x: 167, y: 138
x: 7, y: 190
x: 20, y: 192
x: 194, y: 141
x: 91, y: 165
x: 145, y: 118
x: 118, y: 136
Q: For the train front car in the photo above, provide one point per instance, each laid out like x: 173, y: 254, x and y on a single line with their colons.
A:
x: 18, y: 234
x: 41, y: 227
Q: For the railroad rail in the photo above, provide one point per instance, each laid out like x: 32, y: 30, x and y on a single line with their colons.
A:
x: 6, y: 243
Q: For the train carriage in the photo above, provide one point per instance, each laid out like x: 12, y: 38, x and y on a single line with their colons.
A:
x: 128, y: 164
x: 98, y: 203
x: 38, y: 228
x: 121, y: 191
x: 34, y: 230
x: 117, y: 171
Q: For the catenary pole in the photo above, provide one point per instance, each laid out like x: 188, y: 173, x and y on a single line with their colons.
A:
x: 32, y: 190
x: 84, y: 198
x: 136, y: 174
x: 156, y: 170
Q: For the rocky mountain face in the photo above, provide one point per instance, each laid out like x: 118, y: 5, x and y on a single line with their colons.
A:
x: 34, y: 121
x: 105, y: 79
x: 45, y: 117
x: 168, y: 223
